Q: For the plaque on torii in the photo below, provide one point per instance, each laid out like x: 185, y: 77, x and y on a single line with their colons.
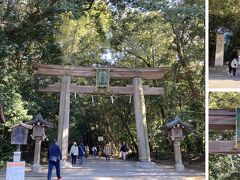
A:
x: 102, y: 78
x: 102, y: 87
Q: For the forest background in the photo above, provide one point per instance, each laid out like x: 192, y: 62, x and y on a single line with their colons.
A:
x: 107, y: 33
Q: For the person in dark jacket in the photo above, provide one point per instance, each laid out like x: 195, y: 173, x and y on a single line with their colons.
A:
x: 54, y: 157
x: 124, y: 150
x: 81, y: 151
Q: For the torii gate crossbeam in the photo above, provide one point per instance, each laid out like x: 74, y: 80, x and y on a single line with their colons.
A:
x: 112, y: 89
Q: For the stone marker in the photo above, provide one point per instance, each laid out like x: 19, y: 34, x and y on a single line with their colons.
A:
x: 219, y: 56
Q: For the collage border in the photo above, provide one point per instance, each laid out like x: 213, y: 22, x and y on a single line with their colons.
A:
x: 206, y: 86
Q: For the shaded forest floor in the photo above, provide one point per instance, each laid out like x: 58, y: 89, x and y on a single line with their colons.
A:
x: 195, y: 163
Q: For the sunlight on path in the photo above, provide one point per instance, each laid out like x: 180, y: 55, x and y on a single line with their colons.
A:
x: 99, y: 169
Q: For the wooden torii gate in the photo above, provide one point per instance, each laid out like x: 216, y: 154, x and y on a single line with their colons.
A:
x: 137, y: 89
x: 220, y: 119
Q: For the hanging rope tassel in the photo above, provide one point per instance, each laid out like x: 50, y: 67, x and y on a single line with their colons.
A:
x: 130, y: 99
x: 112, y: 99
x: 92, y: 99
x: 75, y: 95
x: 230, y: 157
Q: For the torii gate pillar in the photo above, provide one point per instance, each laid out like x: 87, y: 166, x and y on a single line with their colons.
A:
x: 141, y: 123
x: 63, y: 126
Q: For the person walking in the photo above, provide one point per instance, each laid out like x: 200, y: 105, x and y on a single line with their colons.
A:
x: 86, y: 150
x: 94, y: 150
x: 124, y: 150
x: 229, y: 67
x: 81, y: 151
x: 100, y: 150
x: 74, y: 152
x: 54, y: 157
x: 234, y: 65
x: 107, y: 151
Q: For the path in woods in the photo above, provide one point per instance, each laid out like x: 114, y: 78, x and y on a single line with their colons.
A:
x: 223, y: 81
x: 99, y: 169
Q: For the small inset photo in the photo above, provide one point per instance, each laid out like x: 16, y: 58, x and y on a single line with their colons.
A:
x: 224, y: 44
x: 224, y: 135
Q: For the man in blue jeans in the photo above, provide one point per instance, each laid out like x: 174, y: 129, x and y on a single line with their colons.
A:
x: 81, y: 151
x: 54, y: 157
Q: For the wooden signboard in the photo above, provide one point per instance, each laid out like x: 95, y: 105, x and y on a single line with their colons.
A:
x: 100, y: 138
x: 19, y: 135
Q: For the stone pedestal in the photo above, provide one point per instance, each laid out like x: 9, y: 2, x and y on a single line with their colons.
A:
x: 36, y: 168
x: 16, y: 156
x: 219, y: 56
x: 63, y: 123
x: 222, y: 70
x: 36, y: 164
x: 141, y: 122
x: 178, y: 157
x: 65, y: 164
x: 179, y: 167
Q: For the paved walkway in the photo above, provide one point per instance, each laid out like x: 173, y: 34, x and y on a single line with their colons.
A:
x: 99, y: 169
x: 223, y: 81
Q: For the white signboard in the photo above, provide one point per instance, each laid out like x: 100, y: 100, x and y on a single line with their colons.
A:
x: 15, y: 170
x: 17, y: 156
x: 100, y: 138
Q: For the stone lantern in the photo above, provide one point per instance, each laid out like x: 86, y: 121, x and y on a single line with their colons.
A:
x: 175, y: 128
x: 19, y: 137
x: 39, y: 125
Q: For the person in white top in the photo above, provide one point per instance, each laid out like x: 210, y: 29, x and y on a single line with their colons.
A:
x: 234, y: 65
x: 94, y: 150
x: 74, y: 152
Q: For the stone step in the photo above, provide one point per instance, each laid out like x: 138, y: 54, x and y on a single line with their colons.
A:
x: 218, y: 69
